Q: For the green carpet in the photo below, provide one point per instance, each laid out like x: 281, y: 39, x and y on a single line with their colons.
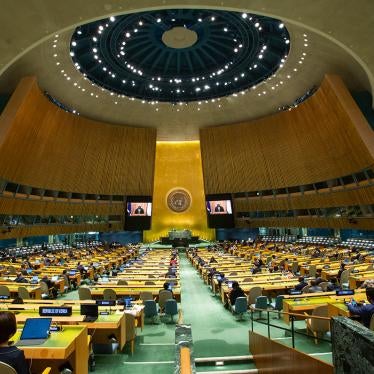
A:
x: 215, y: 331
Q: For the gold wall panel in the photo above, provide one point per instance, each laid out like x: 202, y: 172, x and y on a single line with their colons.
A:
x: 43, y: 146
x: 325, y: 137
x: 178, y: 166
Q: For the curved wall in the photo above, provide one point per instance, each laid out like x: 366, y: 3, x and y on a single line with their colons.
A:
x: 41, y: 145
x: 324, y: 138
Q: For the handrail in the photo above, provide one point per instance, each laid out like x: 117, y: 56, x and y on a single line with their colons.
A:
x: 185, y: 360
x: 292, y: 317
x: 289, y: 314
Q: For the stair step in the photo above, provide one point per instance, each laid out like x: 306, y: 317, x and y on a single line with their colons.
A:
x: 223, y: 358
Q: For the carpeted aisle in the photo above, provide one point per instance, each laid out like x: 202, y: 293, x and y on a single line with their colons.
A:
x: 215, y: 330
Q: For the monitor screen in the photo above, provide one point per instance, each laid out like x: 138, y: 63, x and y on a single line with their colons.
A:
x: 138, y: 213
x: 219, y: 210
x: 345, y: 292
x: 106, y: 302
x: 219, y: 207
x: 90, y: 310
x: 55, y: 311
x: 36, y: 328
x: 72, y: 272
x: 139, y: 209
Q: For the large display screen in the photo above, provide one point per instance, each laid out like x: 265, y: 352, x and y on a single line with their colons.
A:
x: 138, y: 213
x: 219, y: 207
x: 219, y: 211
x: 139, y: 209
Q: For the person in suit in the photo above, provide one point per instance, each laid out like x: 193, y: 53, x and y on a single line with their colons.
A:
x: 21, y: 279
x: 301, y: 284
x: 314, y: 287
x: 139, y: 210
x: 9, y: 354
x: 364, y: 311
x: 235, y: 292
x: 219, y: 208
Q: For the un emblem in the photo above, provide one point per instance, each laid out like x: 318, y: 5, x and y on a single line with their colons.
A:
x: 178, y: 200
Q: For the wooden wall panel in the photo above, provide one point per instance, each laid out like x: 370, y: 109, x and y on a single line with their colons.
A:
x: 359, y: 196
x: 48, y: 208
x: 44, y: 146
x: 317, y: 141
x: 272, y: 357
x: 39, y: 230
x: 319, y: 222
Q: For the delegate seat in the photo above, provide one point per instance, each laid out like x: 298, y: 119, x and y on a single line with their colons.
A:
x: 4, y: 291
x: 23, y: 293
x: 109, y: 294
x: 318, y: 326
x: 171, y: 308
x: 84, y: 293
x: 240, y: 307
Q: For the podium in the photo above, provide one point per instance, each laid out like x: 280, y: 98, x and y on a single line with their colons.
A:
x: 179, y: 238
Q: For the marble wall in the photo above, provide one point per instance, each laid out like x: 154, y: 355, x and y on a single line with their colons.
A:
x: 352, y: 347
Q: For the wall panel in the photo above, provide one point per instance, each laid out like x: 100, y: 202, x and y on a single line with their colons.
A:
x: 319, y: 140
x: 321, y: 222
x: 11, y: 206
x: 43, y: 146
x: 37, y: 230
x: 359, y: 196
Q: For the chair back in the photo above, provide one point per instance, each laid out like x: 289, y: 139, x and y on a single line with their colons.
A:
x: 84, y: 293
x: 312, y: 270
x: 344, y: 277
x: 66, y: 281
x: 253, y: 293
x: 324, y: 285
x: 295, y: 267
x: 171, y: 307
x: 261, y: 302
x: 6, y: 369
x: 248, y: 279
x: 305, y: 289
x: 151, y: 276
x: 279, y: 302
x: 12, y: 270
x: 23, y: 293
x: 149, y: 283
x: 44, y: 288
x: 130, y: 327
x: 4, y: 291
x: 268, y: 259
x: 241, y: 305
x: 370, y: 267
x: 150, y: 308
x: 233, y: 273
x: 146, y: 295
x: 109, y: 294
x: 122, y: 282
x: 163, y: 296
x: 320, y: 325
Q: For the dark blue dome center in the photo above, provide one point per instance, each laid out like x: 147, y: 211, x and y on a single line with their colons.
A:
x: 127, y: 55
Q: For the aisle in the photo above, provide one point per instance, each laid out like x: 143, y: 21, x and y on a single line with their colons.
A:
x: 215, y: 330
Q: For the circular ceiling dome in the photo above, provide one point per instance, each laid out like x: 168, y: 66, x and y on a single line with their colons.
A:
x: 180, y: 55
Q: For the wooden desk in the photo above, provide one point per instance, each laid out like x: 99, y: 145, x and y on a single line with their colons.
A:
x: 104, y: 326
x: 34, y: 290
x: 67, y: 345
x: 126, y: 291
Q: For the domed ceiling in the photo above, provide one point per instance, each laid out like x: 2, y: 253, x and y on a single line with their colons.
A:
x: 180, y: 54
x: 48, y: 33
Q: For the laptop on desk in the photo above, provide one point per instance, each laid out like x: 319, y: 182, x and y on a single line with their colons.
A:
x: 34, y: 279
x: 91, y: 311
x: 35, y: 332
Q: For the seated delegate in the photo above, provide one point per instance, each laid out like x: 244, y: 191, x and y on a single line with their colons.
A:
x: 364, y: 311
x: 11, y: 355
